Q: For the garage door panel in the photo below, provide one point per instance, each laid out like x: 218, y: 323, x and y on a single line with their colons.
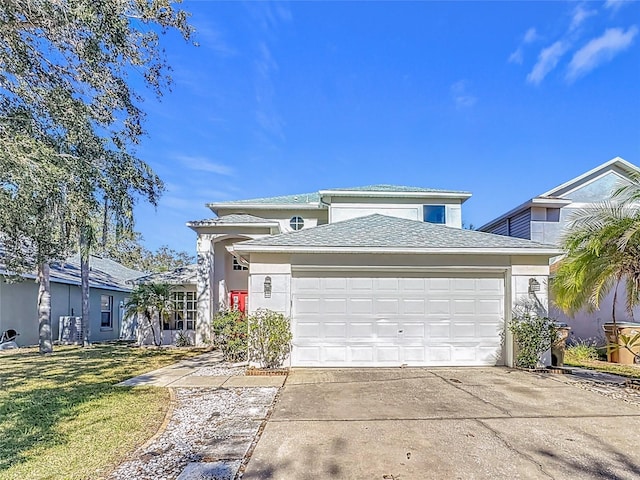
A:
x: 463, y: 330
x: 359, y: 285
x: 414, y: 354
x: 414, y: 306
x: 387, y: 284
x: 358, y: 320
x: 306, y: 305
x: 387, y: 330
x: 361, y: 330
x: 438, y: 306
x: 362, y: 354
x: 440, y: 331
x: 388, y: 354
x: 335, y: 330
x: 493, y: 306
x: 414, y: 330
x: 307, y: 329
x: 465, y: 306
x: 334, y: 283
x: 386, y: 306
x: 334, y: 305
x: 412, y: 284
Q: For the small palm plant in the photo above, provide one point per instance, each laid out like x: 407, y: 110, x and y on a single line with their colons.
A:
x: 150, y: 300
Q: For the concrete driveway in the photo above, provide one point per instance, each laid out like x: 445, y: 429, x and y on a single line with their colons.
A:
x: 458, y: 423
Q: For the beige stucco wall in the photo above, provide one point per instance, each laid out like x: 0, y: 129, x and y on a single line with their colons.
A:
x: 408, y: 208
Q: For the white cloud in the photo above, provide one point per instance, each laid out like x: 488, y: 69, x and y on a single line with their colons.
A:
x: 461, y: 97
x: 530, y: 36
x: 600, y: 50
x: 211, y: 38
x: 580, y: 14
x: 615, y: 5
x: 516, y: 56
x: 547, y: 61
x: 203, y: 164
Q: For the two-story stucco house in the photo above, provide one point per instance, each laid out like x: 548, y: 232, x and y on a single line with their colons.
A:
x: 370, y: 276
x: 544, y: 219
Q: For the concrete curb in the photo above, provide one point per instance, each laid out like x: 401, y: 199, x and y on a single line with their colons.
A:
x: 165, y: 423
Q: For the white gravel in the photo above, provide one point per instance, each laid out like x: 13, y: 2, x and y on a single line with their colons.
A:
x: 202, y: 419
x: 611, y: 390
x: 220, y: 370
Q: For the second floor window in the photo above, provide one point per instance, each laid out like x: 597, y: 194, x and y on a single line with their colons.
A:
x: 434, y: 214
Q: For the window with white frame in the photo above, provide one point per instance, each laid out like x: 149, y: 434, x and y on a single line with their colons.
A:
x: 296, y: 223
x: 185, y: 308
x: 237, y: 265
x: 106, y: 311
x: 434, y: 214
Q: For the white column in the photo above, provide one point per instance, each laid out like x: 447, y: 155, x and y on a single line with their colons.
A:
x: 204, y: 250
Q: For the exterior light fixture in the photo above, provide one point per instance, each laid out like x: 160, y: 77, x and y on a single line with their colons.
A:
x: 267, y: 287
x: 534, y: 285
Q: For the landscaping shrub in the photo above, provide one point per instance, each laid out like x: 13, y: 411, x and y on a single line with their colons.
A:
x: 183, y: 340
x: 533, y: 335
x: 582, y: 350
x: 269, y: 338
x: 230, y: 334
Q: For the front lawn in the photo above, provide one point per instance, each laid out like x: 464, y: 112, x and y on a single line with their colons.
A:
x: 631, y: 371
x: 61, y: 417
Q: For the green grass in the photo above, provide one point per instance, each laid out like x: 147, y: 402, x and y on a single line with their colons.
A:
x: 61, y: 417
x: 631, y: 371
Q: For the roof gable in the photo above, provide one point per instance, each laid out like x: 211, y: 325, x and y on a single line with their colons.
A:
x: 617, y: 165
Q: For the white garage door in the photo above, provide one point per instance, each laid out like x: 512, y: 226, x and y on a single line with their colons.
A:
x: 353, y: 320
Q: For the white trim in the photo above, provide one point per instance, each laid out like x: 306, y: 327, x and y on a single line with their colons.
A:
x: 393, y: 194
x: 551, y: 251
x: 397, y: 268
x: 617, y: 160
x: 202, y: 224
x: 265, y: 206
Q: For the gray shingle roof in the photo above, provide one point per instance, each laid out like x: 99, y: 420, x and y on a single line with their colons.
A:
x: 395, y: 188
x: 181, y: 275
x: 310, y: 198
x: 230, y: 219
x: 302, y: 198
x: 380, y: 231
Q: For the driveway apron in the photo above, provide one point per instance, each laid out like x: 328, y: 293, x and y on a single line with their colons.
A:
x: 467, y: 423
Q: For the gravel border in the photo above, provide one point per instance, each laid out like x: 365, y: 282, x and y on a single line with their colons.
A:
x: 207, y: 426
x: 219, y: 370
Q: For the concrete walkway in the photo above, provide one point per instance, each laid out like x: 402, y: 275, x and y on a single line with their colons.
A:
x: 184, y: 375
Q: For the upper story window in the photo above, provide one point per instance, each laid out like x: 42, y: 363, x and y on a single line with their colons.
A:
x: 237, y: 265
x: 297, y: 223
x: 434, y: 214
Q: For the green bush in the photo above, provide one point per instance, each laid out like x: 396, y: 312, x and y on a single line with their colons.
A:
x: 582, y: 351
x: 183, y: 340
x: 533, y: 335
x: 269, y: 338
x: 230, y: 335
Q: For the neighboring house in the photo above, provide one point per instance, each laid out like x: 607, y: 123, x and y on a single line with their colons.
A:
x: 371, y: 276
x: 183, y: 317
x: 108, y: 292
x: 544, y: 219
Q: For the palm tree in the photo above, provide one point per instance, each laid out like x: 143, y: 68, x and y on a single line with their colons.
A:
x: 603, y: 251
x: 149, y: 300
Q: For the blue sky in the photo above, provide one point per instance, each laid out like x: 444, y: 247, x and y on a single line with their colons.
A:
x: 506, y: 100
